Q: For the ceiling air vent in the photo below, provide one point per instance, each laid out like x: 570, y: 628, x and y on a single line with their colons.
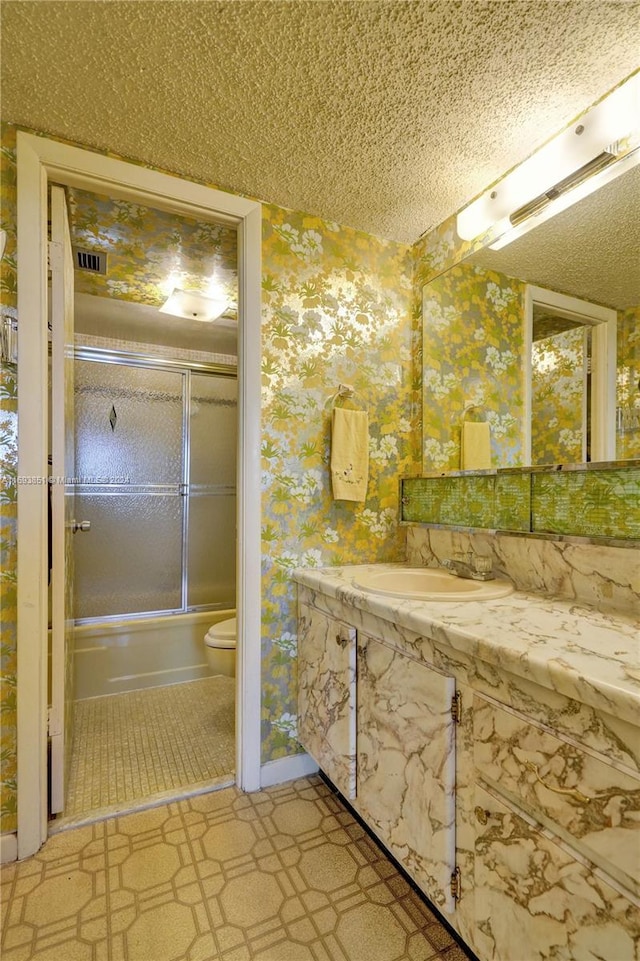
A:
x: 93, y: 261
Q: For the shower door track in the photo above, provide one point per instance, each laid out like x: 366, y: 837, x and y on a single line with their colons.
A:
x: 183, y: 489
x: 131, y: 359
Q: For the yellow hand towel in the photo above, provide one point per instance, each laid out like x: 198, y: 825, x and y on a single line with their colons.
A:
x: 475, y: 446
x: 349, y: 454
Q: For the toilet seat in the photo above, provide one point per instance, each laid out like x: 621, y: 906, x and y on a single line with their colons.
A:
x: 222, y: 635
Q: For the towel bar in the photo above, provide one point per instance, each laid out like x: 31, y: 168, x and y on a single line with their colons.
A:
x: 346, y: 394
x: 471, y: 407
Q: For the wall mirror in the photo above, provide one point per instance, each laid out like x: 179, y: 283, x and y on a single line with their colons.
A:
x: 556, y: 374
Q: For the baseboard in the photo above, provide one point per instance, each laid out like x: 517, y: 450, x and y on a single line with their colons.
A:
x: 287, y: 769
x: 8, y: 848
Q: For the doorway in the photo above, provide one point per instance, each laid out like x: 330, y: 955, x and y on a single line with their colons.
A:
x: 39, y: 161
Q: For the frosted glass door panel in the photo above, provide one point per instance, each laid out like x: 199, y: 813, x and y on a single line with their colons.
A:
x: 129, y: 424
x: 131, y: 559
x: 214, y: 415
x: 212, y: 550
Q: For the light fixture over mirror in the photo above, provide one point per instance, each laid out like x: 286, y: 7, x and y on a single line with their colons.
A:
x: 477, y: 340
x: 569, y: 167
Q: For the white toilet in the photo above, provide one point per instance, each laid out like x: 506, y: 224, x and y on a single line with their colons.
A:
x: 220, y: 647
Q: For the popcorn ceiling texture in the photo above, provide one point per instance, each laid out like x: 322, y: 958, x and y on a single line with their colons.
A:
x: 385, y: 116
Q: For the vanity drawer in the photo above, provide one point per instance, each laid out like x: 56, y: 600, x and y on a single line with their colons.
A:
x: 581, y: 797
x: 534, y: 900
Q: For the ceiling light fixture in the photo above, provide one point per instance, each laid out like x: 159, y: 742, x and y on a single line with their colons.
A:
x: 192, y: 305
x: 571, y: 165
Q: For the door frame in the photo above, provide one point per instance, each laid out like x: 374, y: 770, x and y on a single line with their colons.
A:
x: 39, y: 161
x: 603, y: 322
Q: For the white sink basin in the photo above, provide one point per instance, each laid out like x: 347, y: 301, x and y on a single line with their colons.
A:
x: 430, y: 584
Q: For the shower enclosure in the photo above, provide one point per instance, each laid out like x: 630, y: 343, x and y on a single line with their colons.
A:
x: 156, y: 476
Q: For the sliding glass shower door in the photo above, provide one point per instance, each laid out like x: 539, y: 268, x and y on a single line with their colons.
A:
x: 155, y: 459
x: 211, y: 539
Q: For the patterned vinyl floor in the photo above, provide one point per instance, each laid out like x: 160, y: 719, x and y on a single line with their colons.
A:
x: 144, y: 744
x: 285, y: 874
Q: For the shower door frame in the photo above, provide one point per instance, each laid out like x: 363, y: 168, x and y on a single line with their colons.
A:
x: 39, y: 162
x: 103, y: 355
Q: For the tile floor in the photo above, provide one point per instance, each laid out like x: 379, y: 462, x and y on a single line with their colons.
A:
x: 141, y: 744
x: 285, y: 874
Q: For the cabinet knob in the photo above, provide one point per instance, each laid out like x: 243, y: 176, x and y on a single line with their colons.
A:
x: 341, y: 640
x: 482, y: 815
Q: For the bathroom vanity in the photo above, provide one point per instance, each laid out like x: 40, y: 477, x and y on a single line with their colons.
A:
x: 493, y: 746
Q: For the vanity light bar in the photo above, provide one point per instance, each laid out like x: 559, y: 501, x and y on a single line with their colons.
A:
x: 578, y: 177
x: 574, y: 156
x: 567, y: 199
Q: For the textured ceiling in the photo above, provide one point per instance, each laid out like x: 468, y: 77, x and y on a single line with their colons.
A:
x: 386, y: 116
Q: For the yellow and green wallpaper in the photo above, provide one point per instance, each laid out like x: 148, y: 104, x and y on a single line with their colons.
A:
x: 336, y: 309
x: 628, y: 384
x: 557, y: 386
x: 472, y: 354
x: 151, y: 251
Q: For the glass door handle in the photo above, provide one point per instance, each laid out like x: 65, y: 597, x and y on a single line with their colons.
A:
x: 80, y: 526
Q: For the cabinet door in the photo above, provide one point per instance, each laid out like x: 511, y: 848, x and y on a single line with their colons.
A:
x: 534, y: 900
x: 326, y: 695
x: 406, y: 763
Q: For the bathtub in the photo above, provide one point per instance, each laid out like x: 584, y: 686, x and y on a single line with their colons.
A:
x: 125, y: 655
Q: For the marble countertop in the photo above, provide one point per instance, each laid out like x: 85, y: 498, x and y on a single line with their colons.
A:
x: 587, y: 655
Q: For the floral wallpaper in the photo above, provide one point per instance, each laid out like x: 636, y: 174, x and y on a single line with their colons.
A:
x: 472, y: 354
x: 150, y: 251
x: 336, y: 309
x: 628, y: 384
x: 8, y: 491
x: 441, y: 248
x: 557, y: 386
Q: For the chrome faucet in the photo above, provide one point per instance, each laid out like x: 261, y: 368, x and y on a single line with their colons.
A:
x: 470, y: 565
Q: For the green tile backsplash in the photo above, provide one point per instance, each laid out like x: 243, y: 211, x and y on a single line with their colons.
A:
x: 513, y: 501
x: 444, y: 500
x: 591, y: 503
x: 602, y: 501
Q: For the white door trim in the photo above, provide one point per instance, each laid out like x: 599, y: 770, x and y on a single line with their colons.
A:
x: 39, y: 161
x: 604, y: 322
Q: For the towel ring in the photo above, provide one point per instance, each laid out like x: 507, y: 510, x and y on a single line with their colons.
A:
x: 481, y: 413
x: 346, y: 395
